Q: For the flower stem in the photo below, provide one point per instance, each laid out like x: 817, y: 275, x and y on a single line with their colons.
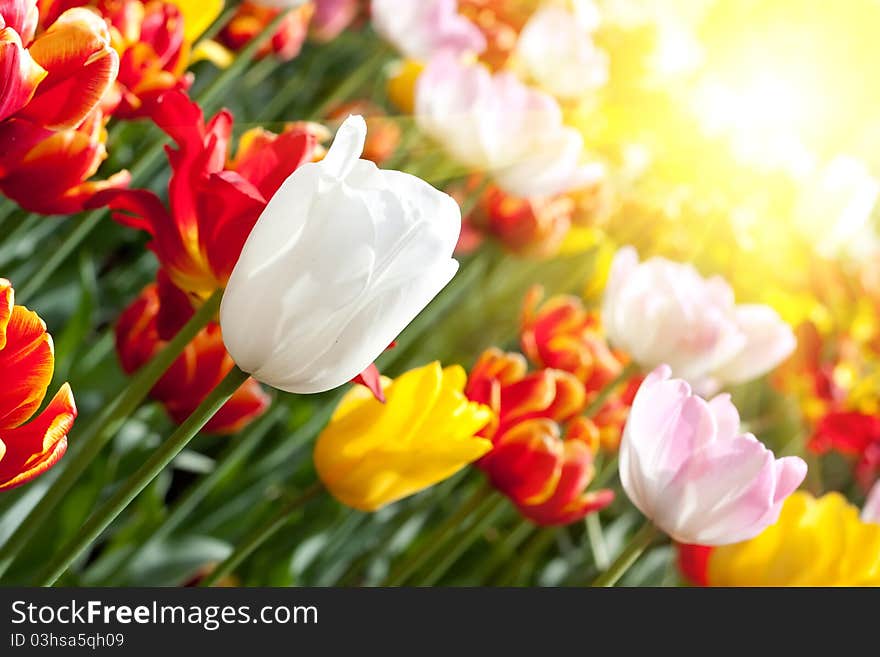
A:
x: 434, y: 543
x: 232, y: 457
x: 630, y: 370
x: 262, y: 534
x: 93, y: 438
x: 484, y: 515
x: 130, y: 488
x: 630, y: 554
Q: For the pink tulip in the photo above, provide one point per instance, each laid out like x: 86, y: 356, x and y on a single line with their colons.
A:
x: 332, y: 17
x: 495, y: 123
x: 421, y: 28
x: 665, y: 312
x: 871, y: 510
x: 687, y: 467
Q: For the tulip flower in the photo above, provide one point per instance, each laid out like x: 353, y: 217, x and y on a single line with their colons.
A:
x: 332, y: 17
x: 556, y: 50
x: 252, y: 17
x: 421, y: 28
x: 561, y: 333
x: 27, y: 362
x: 662, y: 312
x: 150, y: 38
x: 871, y: 510
x: 66, y: 70
x: 542, y: 452
x: 495, y: 123
x: 214, y: 200
x: 816, y: 542
x: 532, y: 227
x: 202, y: 365
x: 685, y: 465
x: 373, y: 454
x: 855, y: 435
x: 51, y: 125
x: 342, y: 259
x: 49, y: 171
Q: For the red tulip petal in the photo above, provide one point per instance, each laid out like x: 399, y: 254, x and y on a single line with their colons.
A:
x: 27, y: 363
x: 33, y: 448
x: 19, y: 74
x: 82, y: 67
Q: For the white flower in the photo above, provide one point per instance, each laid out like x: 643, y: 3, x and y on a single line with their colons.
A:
x: 557, y: 51
x: 342, y: 259
x: 420, y: 28
x: 665, y: 312
x: 497, y: 124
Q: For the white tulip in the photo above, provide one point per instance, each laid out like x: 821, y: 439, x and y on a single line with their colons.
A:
x: 665, y: 312
x: 342, y: 259
x: 495, y: 123
x: 557, y: 51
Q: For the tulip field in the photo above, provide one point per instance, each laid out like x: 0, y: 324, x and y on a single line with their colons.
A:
x: 358, y: 293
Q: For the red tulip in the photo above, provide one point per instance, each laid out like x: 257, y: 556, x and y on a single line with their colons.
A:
x: 251, y: 18
x: 542, y: 455
x: 196, y: 372
x: 27, y: 362
x: 213, y: 202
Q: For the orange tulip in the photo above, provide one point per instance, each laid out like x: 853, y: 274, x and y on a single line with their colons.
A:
x: 27, y: 362
x: 252, y: 17
x: 542, y: 450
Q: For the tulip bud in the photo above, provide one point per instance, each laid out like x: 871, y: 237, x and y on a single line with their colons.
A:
x: 342, y: 259
x: 687, y: 467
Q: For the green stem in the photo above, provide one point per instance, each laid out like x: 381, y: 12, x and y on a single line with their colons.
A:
x: 630, y: 554
x: 231, y: 458
x: 483, y: 517
x: 213, y: 92
x: 625, y: 375
x: 609, y: 469
x: 597, y: 541
x: 109, y: 510
x: 103, y: 428
x: 262, y: 534
x: 434, y: 543
x: 539, y: 542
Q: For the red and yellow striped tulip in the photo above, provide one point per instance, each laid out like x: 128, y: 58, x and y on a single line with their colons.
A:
x: 27, y: 362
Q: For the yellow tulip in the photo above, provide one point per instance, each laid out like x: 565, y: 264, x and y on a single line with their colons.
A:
x: 817, y: 542
x: 372, y: 454
x: 402, y: 85
x: 198, y: 16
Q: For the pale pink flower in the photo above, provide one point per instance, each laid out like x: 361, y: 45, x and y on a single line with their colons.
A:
x: 332, y: 17
x: 871, y: 510
x: 687, y: 467
x: 664, y: 312
x: 497, y: 124
x: 421, y: 28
